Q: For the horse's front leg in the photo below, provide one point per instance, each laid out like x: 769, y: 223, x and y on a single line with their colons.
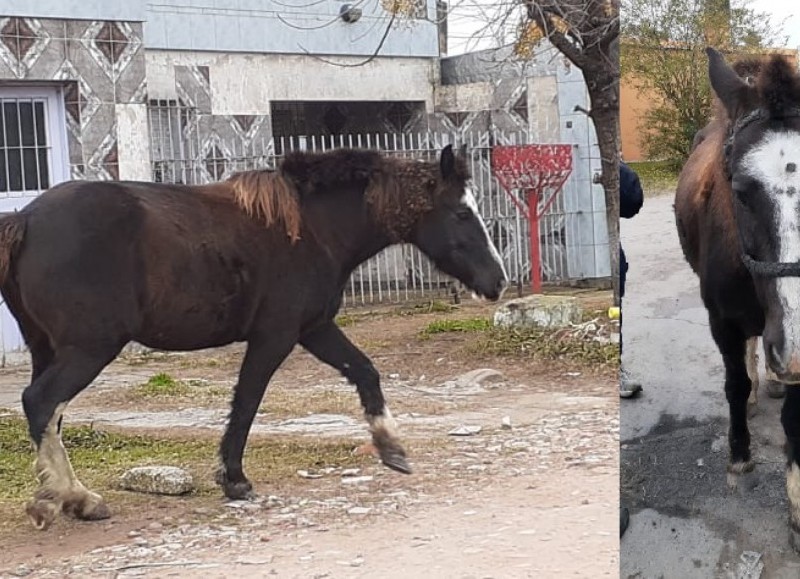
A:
x: 330, y: 345
x: 790, y: 418
x: 262, y: 358
x: 732, y: 344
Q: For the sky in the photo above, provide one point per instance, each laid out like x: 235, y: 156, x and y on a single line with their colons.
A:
x: 466, y: 24
x: 468, y: 18
x: 781, y: 10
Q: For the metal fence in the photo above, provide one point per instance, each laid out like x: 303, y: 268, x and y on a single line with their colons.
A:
x: 186, y: 148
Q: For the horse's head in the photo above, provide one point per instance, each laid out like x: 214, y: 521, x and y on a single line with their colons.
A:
x: 453, y: 234
x: 762, y: 159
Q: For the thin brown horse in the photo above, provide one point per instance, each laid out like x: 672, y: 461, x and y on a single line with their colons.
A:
x: 261, y: 258
x: 737, y: 209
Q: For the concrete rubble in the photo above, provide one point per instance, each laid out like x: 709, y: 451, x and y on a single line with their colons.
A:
x: 542, y: 311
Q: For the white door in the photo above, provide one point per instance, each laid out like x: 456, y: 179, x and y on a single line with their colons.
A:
x: 33, y: 157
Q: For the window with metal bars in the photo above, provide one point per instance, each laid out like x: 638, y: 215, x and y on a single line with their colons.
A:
x: 23, y: 146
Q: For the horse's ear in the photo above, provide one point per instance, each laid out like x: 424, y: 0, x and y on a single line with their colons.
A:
x: 735, y: 93
x: 447, y: 163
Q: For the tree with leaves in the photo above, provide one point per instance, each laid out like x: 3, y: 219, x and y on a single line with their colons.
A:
x: 663, y: 54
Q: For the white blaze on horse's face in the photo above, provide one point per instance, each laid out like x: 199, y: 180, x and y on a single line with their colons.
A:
x: 468, y: 199
x: 775, y: 163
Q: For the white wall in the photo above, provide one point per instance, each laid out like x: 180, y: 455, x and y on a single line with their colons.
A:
x: 247, y: 83
x: 127, y: 10
x: 285, y: 27
x: 133, y: 150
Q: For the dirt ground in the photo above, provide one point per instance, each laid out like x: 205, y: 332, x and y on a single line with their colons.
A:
x: 534, y: 493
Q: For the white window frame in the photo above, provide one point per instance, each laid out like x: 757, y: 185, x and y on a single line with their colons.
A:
x: 56, y: 131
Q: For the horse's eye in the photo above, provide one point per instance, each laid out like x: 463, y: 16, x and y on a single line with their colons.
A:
x: 463, y: 213
x: 742, y: 194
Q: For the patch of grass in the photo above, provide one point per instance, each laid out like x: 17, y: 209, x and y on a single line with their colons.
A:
x: 448, y: 326
x: 100, y: 458
x: 546, y: 344
x: 345, y: 320
x: 656, y: 176
x: 162, y: 385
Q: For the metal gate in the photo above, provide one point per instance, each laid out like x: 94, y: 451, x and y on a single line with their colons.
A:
x: 185, y: 150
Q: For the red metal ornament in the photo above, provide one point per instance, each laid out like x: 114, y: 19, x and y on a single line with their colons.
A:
x: 528, y: 173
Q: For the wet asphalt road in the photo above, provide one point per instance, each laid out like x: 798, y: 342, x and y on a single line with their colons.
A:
x: 686, y: 522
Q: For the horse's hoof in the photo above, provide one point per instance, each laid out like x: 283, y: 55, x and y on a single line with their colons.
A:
x: 88, y: 507
x: 396, y: 461
x: 776, y: 389
x: 741, y: 467
x: 735, y: 472
x: 98, y: 513
x: 41, y: 513
x: 239, y: 491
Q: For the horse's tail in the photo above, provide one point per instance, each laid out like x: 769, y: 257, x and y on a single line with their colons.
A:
x: 12, y: 231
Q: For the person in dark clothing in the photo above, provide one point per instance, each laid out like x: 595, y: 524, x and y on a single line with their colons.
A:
x: 631, y: 199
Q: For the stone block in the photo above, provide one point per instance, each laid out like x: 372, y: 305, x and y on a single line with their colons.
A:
x: 539, y: 311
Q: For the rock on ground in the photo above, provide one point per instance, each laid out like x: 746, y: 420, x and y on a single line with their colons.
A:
x: 162, y: 480
x: 539, y: 311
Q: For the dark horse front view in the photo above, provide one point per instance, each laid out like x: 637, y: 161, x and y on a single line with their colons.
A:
x: 738, y: 216
x: 261, y: 258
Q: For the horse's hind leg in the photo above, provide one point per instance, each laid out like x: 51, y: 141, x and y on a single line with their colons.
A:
x: 331, y: 346
x: 44, y: 402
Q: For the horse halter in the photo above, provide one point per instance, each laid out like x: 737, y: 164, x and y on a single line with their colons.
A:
x: 756, y: 267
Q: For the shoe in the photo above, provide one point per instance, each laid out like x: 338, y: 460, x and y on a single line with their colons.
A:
x: 624, y: 519
x: 628, y: 388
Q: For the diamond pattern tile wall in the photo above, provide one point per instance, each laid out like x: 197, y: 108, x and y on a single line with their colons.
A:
x: 101, y: 64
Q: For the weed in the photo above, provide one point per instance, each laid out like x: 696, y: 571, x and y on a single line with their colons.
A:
x: 162, y: 385
x: 447, y: 326
x: 548, y: 345
x: 345, y: 320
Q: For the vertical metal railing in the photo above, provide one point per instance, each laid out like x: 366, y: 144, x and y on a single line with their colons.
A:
x: 185, y: 149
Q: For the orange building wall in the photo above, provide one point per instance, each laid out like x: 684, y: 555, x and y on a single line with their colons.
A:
x: 632, y: 104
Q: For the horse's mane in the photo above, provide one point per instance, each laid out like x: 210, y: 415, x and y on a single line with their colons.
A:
x: 269, y: 196
x: 397, y: 191
x: 779, y: 86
